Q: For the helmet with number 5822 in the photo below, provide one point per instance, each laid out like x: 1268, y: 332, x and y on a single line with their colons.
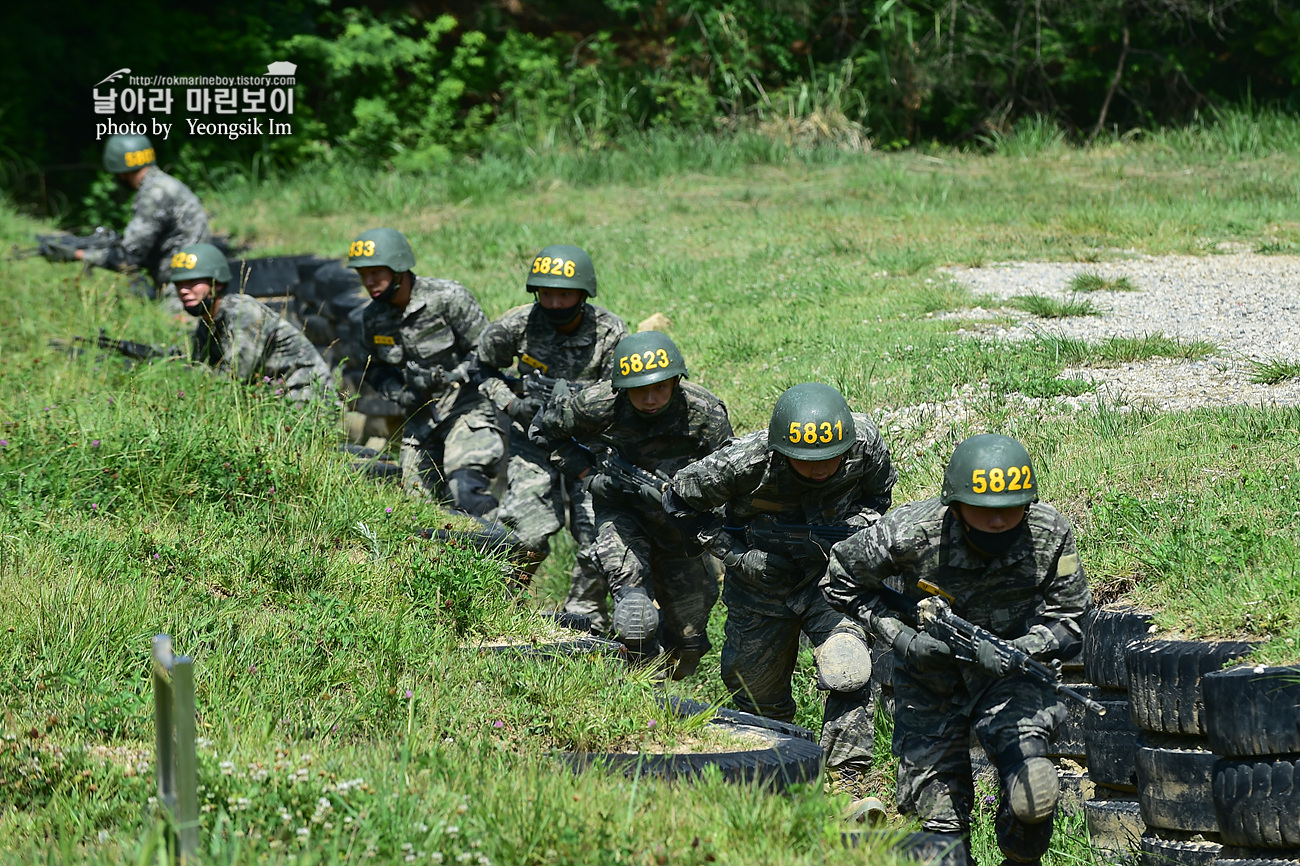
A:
x: 811, y: 421
x: 562, y: 266
x: 991, y: 471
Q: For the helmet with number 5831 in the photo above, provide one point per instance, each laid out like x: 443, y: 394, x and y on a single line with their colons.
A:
x: 991, y: 471
x: 811, y: 421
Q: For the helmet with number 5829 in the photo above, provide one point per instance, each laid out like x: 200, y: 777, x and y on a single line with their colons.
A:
x: 811, y: 421
x: 562, y: 266
x: 646, y: 358
x: 200, y: 262
x: 991, y: 471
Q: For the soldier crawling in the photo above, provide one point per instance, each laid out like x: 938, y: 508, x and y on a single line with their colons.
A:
x: 656, y: 421
x: 419, y: 332
x: 561, y: 336
x: 1010, y: 565
x: 243, y: 336
x: 818, y: 463
x: 167, y: 215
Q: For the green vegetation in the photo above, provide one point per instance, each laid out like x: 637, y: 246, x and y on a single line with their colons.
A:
x: 156, y: 498
x: 1273, y: 371
x: 1091, y: 281
x: 1054, y: 308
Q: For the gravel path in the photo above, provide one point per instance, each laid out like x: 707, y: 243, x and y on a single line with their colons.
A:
x: 1246, y: 304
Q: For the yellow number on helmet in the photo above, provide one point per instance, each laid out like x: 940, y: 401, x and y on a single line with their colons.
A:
x: 997, y: 481
x: 637, y: 366
x: 826, y: 432
x: 568, y: 268
x: 795, y: 434
x: 663, y: 357
x: 978, y: 483
x: 810, y: 432
x: 1025, y: 483
x: 546, y: 265
x: 537, y: 265
x: 650, y: 360
x: 623, y: 366
x: 370, y: 248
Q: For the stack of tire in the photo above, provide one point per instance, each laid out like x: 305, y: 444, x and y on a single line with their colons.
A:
x: 1252, y: 722
x: 1110, y: 741
x: 1067, y: 748
x: 278, y: 281
x: 1175, y: 767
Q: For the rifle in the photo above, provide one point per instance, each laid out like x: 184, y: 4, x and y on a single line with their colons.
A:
x: 139, y: 351
x: 935, y: 617
x: 630, y: 477
x: 765, y: 533
x: 60, y: 247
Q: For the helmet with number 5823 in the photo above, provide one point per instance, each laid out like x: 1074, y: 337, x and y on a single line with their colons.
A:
x: 811, y: 421
x: 562, y: 266
x: 646, y: 358
x: 991, y: 471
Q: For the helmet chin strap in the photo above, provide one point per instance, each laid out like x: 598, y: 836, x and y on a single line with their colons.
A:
x: 393, y: 287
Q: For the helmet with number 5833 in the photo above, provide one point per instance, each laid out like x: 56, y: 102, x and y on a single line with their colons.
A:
x: 811, y: 421
x: 991, y: 471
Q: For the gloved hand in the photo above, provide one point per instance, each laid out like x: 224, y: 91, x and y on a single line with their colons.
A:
x: 653, y: 497
x: 602, y: 486
x: 760, y: 566
x: 393, y: 389
x: 423, y: 380
x: 921, y: 651
x: 522, y: 409
x: 56, y: 251
x: 991, y: 662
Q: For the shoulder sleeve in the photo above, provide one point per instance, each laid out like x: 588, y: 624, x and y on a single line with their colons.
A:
x: 467, y: 318
x: 580, y: 414
x: 859, y: 566
x: 498, y: 342
x: 715, y: 480
x: 715, y: 431
x: 249, y: 330
x: 147, y: 224
x: 614, y: 329
x: 1066, y: 596
x: 875, y: 490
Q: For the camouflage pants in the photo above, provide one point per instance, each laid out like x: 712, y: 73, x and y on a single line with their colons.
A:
x: 535, y: 506
x: 759, y: 656
x: 470, y: 437
x: 641, y: 550
x: 934, y: 712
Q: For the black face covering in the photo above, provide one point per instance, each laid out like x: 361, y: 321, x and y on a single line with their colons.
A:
x: 203, y: 309
x: 560, y: 318
x: 661, y: 410
x: 808, y: 482
x: 993, y: 544
x: 393, y: 286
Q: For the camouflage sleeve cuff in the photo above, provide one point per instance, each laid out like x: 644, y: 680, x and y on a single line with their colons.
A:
x: 98, y: 258
x: 498, y: 392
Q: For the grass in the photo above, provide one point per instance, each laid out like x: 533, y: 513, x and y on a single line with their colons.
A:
x: 1054, y: 308
x: 1273, y: 371
x: 1091, y: 281
x: 157, y: 498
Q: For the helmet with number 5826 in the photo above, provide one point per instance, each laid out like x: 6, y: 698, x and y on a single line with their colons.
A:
x: 991, y: 471
x: 562, y: 266
x: 646, y: 358
x: 811, y: 421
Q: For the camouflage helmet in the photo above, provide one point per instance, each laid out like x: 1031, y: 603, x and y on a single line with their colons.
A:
x: 811, y: 421
x: 123, y: 153
x: 198, y: 262
x: 990, y: 470
x: 646, y: 358
x: 386, y: 248
x: 562, y: 266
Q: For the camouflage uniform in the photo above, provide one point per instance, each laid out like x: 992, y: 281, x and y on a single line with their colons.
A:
x: 637, y: 547
x: 167, y: 217
x: 250, y: 341
x: 1037, y: 587
x: 764, y: 621
x: 534, y: 501
x: 456, y: 428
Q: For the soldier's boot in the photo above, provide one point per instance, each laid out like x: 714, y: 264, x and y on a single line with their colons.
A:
x: 850, y: 777
x: 636, y: 624
x: 938, y: 848
x: 470, y: 491
x: 684, y: 657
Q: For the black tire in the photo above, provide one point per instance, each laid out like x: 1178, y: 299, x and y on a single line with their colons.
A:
x: 1111, y: 743
x: 933, y: 849
x: 576, y: 621
x: 1258, y: 802
x: 580, y: 646
x: 1251, y: 710
x: 1157, y: 851
x: 785, y: 761
x: 378, y: 470
x: 1256, y: 861
x: 1075, y: 789
x: 1068, y: 742
x: 333, y: 279
x: 1105, y: 632
x: 318, y: 329
x: 1164, y: 681
x: 688, y: 707
x: 1174, y: 789
x: 265, y: 277
x: 1114, y: 826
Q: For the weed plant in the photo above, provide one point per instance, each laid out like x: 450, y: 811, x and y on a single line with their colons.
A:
x: 343, y: 708
x: 1046, y: 307
x: 1273, y: 371
x: 1091, y: 281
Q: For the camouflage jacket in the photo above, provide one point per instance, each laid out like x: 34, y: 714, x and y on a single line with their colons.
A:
x: 167, y: 217
x: 692, y: 425
x: 1037, y: 587
x: 435, y: 332
x: 250, y: 341
x: 748, y: 479
x: 582, y: 357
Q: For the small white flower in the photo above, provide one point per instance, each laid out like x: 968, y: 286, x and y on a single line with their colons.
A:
x: 410, y: 858
x: 408, y: 847
x: 448, y: 740
x: 462, y: 808
x: 436, y: 857
x: 227, y: 768
x: 422, y: 827
x: 303, y: 832
x: 451, y: 830
x: 103, y: 836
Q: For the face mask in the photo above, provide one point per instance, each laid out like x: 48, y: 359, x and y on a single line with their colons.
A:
x: 660, y: 411
x: 808, y: 482
x: 560, y: 318
x: 200, y: 310
x: 993, y: 543
x: 392, y: 287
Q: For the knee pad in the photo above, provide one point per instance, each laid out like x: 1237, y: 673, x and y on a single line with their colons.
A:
x: 843, y: 663
x: 469, y: 491
x: 635, y: 616
x: 1032, y: 790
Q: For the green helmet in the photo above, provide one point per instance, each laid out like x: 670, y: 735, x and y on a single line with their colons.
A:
x: 811, y: 421
x: 200, y: 261
x: 562, y: 266
x: 646, y: 358
x: 123, y: 153
x: 387, y: 248
x: 990, y: 470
